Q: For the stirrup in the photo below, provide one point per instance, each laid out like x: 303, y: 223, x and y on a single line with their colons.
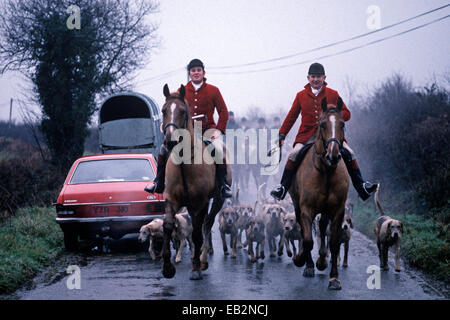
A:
x: 226, y: 191
x: 370, y: 187
x: 279, y: 192
x: 366, y: 190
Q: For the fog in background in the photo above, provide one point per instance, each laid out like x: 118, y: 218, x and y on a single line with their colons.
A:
x: 228, y: 33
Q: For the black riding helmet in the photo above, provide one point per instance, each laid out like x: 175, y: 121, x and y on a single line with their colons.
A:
x: 195, y: 63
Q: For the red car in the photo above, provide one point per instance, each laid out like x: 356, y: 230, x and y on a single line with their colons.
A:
x: 103, y: 195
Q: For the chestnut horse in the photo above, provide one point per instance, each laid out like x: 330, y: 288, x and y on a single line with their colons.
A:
x: 321, y: 186
x: 188, y: 184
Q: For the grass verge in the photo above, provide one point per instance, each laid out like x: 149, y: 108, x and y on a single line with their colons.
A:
x: 29, y: 241
x: 425, y: 242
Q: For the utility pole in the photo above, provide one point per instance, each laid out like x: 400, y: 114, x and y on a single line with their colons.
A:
x: 10, y: 110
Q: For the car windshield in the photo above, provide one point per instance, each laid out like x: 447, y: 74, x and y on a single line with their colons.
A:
x: 112, y: 170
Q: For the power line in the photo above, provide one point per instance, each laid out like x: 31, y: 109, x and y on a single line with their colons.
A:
x: 330, y: 44
x: 173, y: 72
x: 333, y: 54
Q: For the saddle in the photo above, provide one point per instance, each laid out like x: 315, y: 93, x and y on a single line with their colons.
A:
x: 301, y: 154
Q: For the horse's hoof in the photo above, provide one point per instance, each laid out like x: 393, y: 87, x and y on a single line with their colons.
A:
x: 233, y: 256
x: 211, y: 252
x: 226, y: 253
x: 253, y: 260
x: 195, y: 275
x: 344, y: 265
x: 204, y: 266
x: 384, y: 268
x: 280, y: 253
x: 398, y: 269
x: 334, y: 284
x: 177, y: 261
x: 239, y: 246
x: 299, y: 260
x: 262, y: 256
x: 289, y: 254
x: 308, y: 272
x: 168, y: 271
x: 272, y: 255
x: 321, y: 264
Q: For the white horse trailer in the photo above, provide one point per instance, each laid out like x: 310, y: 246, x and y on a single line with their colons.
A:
x: 129, y: 122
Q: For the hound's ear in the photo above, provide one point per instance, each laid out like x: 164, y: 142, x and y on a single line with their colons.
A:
x: 351, y: 223
x: 324, y: 104
x: 340, y: 103
x: 401, y: 226
x: 389, y: 225
x: 182, y: 92
x: 166, y: 91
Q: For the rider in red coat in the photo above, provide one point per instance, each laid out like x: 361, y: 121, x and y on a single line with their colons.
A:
x: 307, y: 102
x: 202, y: 99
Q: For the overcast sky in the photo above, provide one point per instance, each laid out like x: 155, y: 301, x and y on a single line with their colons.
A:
x: 232, y: 32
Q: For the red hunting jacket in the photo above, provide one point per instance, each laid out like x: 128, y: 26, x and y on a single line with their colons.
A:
x: 204, y: 101
x: 310, y: 107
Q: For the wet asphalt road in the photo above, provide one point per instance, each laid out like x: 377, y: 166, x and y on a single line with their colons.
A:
x: 131, y: 274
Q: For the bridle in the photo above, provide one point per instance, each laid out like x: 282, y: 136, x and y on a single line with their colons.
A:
x: 325, y: 144
x: 173, y: 124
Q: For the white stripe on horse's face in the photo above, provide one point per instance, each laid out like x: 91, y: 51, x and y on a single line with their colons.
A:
x: 172, y: 110
x: 333, y: 127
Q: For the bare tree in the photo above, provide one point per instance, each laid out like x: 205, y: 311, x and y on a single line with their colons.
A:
x: 71, y: 68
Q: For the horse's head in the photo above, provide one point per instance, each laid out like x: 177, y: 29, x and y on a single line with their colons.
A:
x: 175, y: 114
x: 331, y: 132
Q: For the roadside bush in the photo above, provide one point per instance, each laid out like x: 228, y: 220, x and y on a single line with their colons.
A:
x: 25, y: 179
x: 404, y: 144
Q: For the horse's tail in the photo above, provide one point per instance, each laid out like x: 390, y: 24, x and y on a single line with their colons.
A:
x: 260, y: 195
x: 377, y: 201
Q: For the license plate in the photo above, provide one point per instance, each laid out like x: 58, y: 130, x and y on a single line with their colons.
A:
x: 110, y: 210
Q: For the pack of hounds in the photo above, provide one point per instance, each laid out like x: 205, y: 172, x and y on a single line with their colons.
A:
x: 268, y: 221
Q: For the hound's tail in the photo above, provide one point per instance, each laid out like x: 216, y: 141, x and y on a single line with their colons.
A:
x: 377, y: 201
x: 261, y: 197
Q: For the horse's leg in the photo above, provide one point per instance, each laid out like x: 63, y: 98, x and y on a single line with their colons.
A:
x: 168, y: 269
x: 321, y: 262
x: 304, y: 255
x: 334, y: 282
x: 197, y: 237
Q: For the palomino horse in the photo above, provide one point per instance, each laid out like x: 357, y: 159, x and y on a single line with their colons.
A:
x: 188, y: 184
x: 321, y: 186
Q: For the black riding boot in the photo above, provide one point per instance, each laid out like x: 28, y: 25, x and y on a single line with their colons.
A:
x: 286, y: 180
x: 364, y: 188
x: 221, y: 173
x: 158, y: 183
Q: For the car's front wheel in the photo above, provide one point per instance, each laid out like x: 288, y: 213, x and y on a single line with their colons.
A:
x: 70, y: 240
